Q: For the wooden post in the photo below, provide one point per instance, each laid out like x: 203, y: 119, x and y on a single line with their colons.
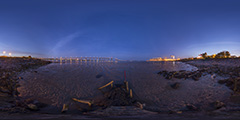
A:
x: 65, y: 108
x: 131, y: 93
x: 126, y: 83
x: 112, y: 85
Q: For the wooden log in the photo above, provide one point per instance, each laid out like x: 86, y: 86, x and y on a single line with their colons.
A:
x: 84, y: 101
x: 106, y: 85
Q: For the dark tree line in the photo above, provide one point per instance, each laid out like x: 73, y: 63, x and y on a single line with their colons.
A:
x: 223, y: 54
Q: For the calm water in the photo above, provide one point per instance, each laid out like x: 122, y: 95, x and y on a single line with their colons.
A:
x: 57, y: 83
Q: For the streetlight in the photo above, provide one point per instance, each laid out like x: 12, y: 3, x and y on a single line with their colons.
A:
x: 10, y: 54
x: 4, y: 52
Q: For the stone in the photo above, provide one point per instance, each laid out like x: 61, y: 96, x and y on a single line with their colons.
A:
x: 218, y: 104
x: 191, y: 107
x: 213, y: 76
x: 195, y: 78
x: 222, y: 81
x: 168, y: 77
x: 175, y: 85
x: 99, y: 76
x: 32, y: 107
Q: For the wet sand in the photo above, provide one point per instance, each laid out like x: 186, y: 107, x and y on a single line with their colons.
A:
x: 56, y: 84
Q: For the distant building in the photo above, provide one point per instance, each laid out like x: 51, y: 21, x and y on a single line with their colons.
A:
x: 165, y: 59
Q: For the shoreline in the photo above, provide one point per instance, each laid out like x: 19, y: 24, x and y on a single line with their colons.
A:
x: 228, y: 68
x: 184, y: 114
x: 10, y: 68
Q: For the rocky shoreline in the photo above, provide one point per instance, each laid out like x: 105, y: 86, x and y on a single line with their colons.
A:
x: 229, y: 69
x: 10, y: 67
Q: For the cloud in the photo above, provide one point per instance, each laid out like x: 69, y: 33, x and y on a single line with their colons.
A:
x: 64, y: 41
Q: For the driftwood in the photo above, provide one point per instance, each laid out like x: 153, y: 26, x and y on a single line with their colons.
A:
x: 84, y: 101
x: 65, y: 108
x: 110, y: 83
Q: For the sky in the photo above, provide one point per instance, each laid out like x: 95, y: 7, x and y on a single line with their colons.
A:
x: 124, y: 29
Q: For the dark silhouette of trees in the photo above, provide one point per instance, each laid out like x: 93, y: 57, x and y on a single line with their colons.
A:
x: 223, y: 54
x: 228, y: 55
x: 204, y: 55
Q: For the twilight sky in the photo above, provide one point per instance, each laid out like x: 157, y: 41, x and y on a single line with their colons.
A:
x: 126, y: 29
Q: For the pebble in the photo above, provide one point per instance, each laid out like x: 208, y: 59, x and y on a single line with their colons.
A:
x: 32, y: 107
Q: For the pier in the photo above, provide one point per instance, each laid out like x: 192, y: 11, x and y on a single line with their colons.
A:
x: 81, y: 59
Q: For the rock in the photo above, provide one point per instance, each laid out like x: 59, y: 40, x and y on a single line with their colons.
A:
x: 175, y: 85
x: 182, y: 71
x: 218, y: 104
x: 160, y: 72
x: 6, y: 104
x: 195, y: 78
x: 20, y: 103
x: 168, y: 77
x: 39, y: 104
x: 99, y: 76
x: 5, y: 90
x: 32, y: 107
x: 191, y: 107
x: 222, y: 81
x: 29, y: 100
x: 213, y: 76
x: 229, y: 83
x: 140, y: 105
